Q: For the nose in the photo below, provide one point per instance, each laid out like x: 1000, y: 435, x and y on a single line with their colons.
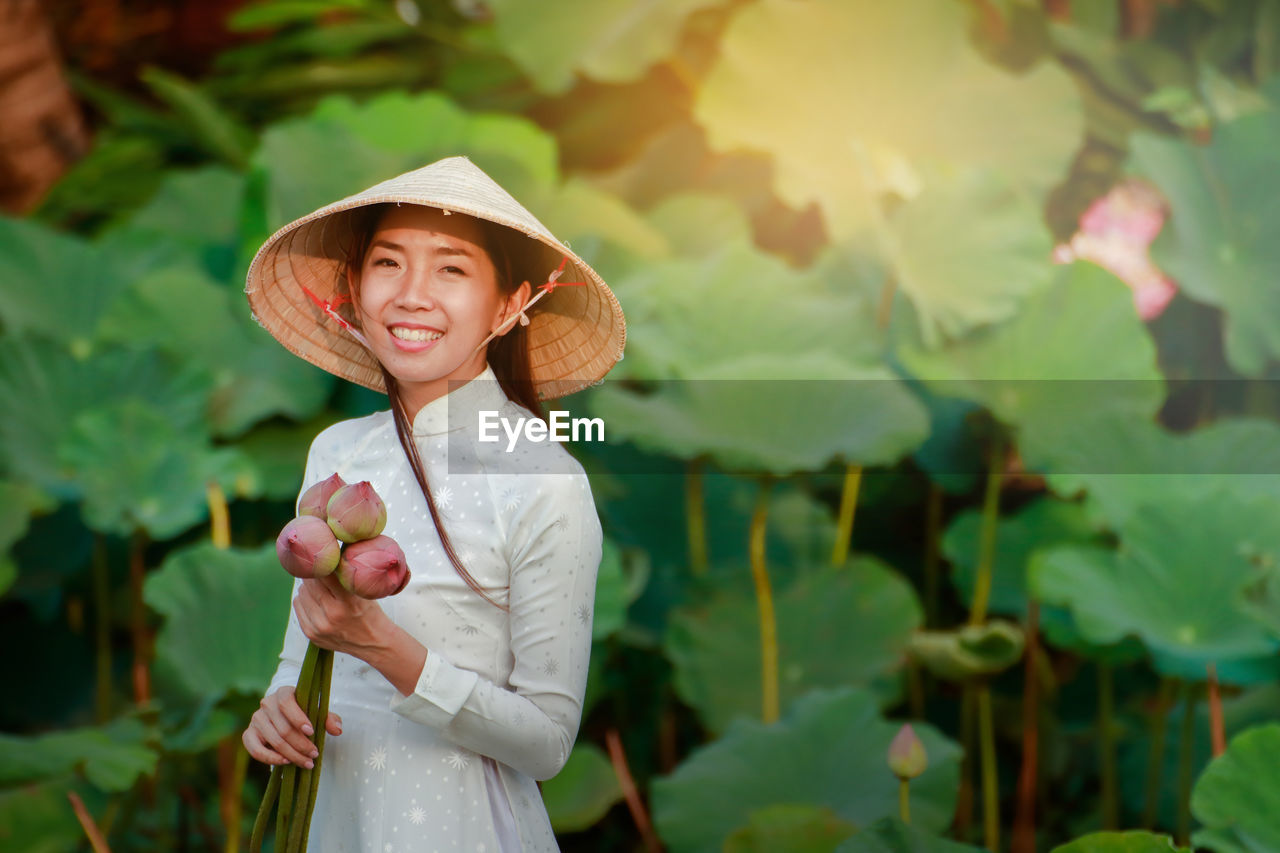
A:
x: 417, y: 289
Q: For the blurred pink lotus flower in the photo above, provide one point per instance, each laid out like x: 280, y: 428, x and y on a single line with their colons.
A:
x: 315, y: 500
x: 307, y: 547
x: 356, y: 512
x: 907, y: 758
x: 373, y: 568
x: 1116, y: 233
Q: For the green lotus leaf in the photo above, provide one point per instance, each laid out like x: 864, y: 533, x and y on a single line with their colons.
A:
x: 55, y: 284
x: 1239, y: 790
x: 111, y: 757
x: 891, y: 835
x: 20, y: 501
x: 614, y: 41
x: 1040, y: 523
x: 276, y: 454
x: 1222, y: 241
x: 138, y: 470
x: 836, y: 626
x: 38, y: 818
x: 611, y: 593
x: 781, y: 67
x: 1124, y: 461
x: 795, y: 827
x: 872, y: 418
x: 44, y: 389
x: 828, y: 750
x: 1260, y: 596
x: 1219, y: 841
x: 1174, y: 583
x: 201, y: 591
x: 1133, y: 841
x: 186, y: 314
x: 970, y: 650
x: 1077, y: 348
x: 581, y: 793
x: 194, y: 215
x: 960, y: 279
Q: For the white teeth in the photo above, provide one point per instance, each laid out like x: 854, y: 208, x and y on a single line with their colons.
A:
x: 415, y: 334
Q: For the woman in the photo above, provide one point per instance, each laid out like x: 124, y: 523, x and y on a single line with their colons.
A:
x: 452, y: 697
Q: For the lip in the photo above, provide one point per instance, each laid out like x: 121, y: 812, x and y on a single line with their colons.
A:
x: 413, y: 346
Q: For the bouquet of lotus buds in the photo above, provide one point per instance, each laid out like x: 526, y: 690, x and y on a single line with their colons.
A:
x: 338, y: 529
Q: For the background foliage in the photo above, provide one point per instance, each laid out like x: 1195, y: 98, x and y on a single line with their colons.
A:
x: 995, y: 285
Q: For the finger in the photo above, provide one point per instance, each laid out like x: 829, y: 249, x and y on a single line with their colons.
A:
x: 330, y: 584
x: 285, y: 739
x: 294, y: 713
x: 258, y: 751
x: 333, y: 724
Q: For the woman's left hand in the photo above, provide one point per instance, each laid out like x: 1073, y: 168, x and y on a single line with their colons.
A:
x: 333, y: 618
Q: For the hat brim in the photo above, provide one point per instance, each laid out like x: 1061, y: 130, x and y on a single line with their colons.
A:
x: 575, y: 333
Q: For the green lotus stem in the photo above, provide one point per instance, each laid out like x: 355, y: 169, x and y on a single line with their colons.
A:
x: 1217, y: 731
x: 933, y: 536
x: 239, y: 771
x: 138, y: 618
x: 1155, y: 758
x: 764, y: 603
x: 1106, y: 746
x: 848, y: 503
x: 987, y: 536
x: 307, y: 775
x: 915, y: 688
x: 219, y: 516
x: 1023, y: 836
x: 904, y: 800
x: 264, y: 811
x: 302, y: 694
x: 326, y: 677
x: 964, y: 797
x: 990, y: 782
x: 696, y: 517
x: 101, y: 630
x: 1186, y: 742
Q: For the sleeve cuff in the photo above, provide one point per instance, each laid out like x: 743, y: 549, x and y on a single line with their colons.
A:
x: 440, y: 693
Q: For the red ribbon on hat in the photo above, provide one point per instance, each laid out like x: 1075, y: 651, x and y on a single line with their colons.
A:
x: 329, y: 307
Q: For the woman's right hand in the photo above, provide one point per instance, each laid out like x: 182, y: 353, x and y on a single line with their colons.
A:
x: 279, y: 732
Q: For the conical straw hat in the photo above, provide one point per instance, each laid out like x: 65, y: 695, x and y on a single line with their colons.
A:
x: 575, y: 334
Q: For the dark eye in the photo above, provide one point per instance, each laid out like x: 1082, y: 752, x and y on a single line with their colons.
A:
x: 385, y: 262
x: 454, y: 270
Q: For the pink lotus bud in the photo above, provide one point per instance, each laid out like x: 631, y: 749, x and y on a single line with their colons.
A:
x: 355, y: 512
x: 373, y: 568
x: 307, y: 549
x: 907, y: 759
x: 315, y: 499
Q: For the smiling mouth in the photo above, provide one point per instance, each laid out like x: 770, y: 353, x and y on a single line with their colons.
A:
x: 417, y: 335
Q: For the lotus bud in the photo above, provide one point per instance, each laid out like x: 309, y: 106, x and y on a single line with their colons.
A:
x: 315, y: 499
x: 355, y: 512
x: 373, y: 568
x: 907, y: 758
x: 307, y: 548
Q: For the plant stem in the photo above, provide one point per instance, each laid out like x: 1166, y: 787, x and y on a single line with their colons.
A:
x: 904, y: 800
x: 219, y: 517
x: 987, y: 536
x: 618, y: 758
x: 1106, y: 746
x: 1217, y: 731
x: 964, y: 797
x: 696, y: 517
x: 264, y: 810
x: 302, y: 694
x: 764, y: 603
x: 848, y: 504
x: 97, y: 840
x: 932, y: 538
x: 233, y: 803
x: 101, y: 630
x: 322, y: 715
x: 990, y: 782
x: 1185, y: 746
x: 1155, y: 758
x: 302, y: 794
x: 1024, y: 821
x: 138, y: 619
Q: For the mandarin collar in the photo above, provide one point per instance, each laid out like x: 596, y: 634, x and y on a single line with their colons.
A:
x: 483, y: 393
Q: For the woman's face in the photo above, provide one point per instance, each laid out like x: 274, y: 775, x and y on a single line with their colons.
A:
x: 428, y: 295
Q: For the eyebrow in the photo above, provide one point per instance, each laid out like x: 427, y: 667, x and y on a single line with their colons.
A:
x: 439, y: 250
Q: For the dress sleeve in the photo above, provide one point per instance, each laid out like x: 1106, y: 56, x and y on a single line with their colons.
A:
x: 295, y: 642
x: 554, y: 547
